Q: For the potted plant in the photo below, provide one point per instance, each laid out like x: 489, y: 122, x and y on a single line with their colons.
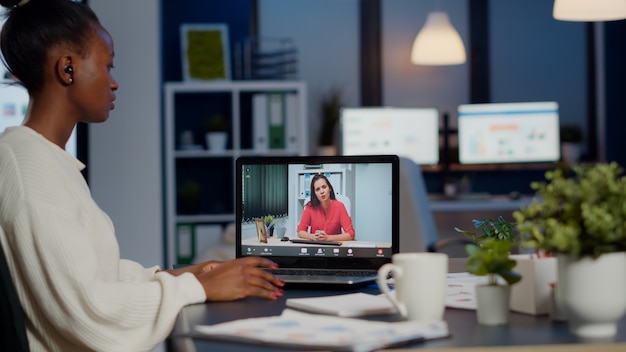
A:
x: 581, y: 218
x: 489, y: 256
x: 571, y: 138
x: 269, y: 224
x: 188, y: 197
x: 330, y: 106
x: 499, y: 229
x: 216, y: 133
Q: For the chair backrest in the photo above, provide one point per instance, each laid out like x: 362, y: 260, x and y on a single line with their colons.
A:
x: 12, y: 326
x: 417, y: 225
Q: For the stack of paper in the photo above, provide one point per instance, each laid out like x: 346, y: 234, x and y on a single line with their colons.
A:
x: 348, y: 305
x: 311, y: 331
x: 462, y: 290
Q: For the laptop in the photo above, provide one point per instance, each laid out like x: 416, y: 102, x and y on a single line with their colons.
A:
x: 362, y: 220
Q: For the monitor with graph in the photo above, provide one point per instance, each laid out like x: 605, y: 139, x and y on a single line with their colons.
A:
x: 408, y: 132
x: 497, y: 133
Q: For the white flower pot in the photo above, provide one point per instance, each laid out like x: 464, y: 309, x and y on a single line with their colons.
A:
x: 216, y: 141
x: 492, y: 304
x: 592, y: 293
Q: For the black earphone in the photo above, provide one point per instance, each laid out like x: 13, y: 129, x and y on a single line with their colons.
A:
x: 69, y: 69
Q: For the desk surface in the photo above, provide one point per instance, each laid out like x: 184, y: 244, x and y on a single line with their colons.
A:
x: 466, y: 332
x: 494, y: 203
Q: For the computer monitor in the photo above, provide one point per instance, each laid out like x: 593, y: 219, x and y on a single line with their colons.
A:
x: 408, y: 132
x: 13, y: 105
x: 496, y: 133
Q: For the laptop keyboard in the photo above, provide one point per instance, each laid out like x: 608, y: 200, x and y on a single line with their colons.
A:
x: 313, y: 272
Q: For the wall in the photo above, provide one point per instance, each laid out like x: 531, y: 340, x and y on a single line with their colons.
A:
x: 125, y: 152
x: 326, y: 33
x: 408, y: 85
x: 538, y: 62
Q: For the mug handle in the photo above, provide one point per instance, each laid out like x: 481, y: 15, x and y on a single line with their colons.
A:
x: 381, y: 280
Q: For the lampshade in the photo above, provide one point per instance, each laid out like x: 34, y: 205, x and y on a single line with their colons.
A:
x: 438, y: 42
x: 589, y: 10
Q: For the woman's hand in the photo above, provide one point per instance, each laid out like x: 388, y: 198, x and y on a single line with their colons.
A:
x: 241, y: 278
x: 320, y: 235
x: 195, y: 269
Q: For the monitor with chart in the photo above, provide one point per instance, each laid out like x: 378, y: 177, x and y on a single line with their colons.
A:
x: 496, y: 133
x: 407, y: 132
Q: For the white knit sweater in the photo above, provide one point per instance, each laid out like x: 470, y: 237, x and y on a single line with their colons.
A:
x: 76, y: 292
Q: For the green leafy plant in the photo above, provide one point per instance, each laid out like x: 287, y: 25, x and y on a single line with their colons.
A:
x: 216, y: 123
x: 500, y: 229
x: 571, y: 133
x: 491, y: 257
x: 268, y: 220
x: 583, y: 214
x: 489, y: 254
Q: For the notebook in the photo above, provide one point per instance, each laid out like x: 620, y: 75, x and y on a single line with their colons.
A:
x: 273, y: 193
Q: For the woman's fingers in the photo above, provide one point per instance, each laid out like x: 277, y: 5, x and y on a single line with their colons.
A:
x: 241, y: 278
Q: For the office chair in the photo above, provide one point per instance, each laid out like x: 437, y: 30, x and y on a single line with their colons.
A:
x: 418, y: 232
x: 417, y: 224
x: 12, y: 325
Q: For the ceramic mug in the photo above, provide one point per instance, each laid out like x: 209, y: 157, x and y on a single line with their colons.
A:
x: 420, y: 281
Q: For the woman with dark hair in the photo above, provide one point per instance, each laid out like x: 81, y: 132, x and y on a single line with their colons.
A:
x: 324, y: 217
x: 76, y: 292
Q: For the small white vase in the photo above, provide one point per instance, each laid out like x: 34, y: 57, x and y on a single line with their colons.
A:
x: 592, y: 293
x: 492, y: 304
x: 216, y: 141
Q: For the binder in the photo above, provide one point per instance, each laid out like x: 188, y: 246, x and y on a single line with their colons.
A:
x: 185, y: 243
x: 292, y: 113
x: 276, y: 115
x: 259, y: 122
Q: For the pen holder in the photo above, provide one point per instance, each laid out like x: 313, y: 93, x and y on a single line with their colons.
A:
x: 532, y: 295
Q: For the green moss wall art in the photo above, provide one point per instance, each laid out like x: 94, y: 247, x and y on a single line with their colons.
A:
x: 205, y: 50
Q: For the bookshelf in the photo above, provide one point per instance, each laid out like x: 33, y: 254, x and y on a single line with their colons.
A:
x: 262, y: 118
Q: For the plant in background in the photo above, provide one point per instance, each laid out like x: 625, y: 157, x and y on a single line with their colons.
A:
x: 570, y: 133
x: 216, y: 123
x: 500, y: 229
x: 582, y: 215
x: 330, y: 106
x: 268, y: 219
x: 188, y: 194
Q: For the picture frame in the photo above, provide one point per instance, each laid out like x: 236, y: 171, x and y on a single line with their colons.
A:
x: 261, y: 231
x: 205, y: 51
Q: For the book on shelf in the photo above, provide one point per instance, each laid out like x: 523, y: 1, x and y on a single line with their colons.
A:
x: 275, y: 121
x: 259, y: 122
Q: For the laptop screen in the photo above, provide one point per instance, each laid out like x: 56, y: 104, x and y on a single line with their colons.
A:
x: 277, y: 205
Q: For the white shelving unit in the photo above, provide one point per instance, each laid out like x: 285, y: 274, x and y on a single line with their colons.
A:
x: 209, y: 176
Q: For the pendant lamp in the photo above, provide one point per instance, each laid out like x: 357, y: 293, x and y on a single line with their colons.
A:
x: 438, y: 42
x: 589, y: 10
